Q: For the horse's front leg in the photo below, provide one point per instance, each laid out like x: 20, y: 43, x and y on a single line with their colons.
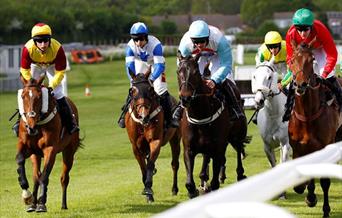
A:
x: 217, y: 163
x: 175, y: 148
x: 36, y: 162
x: 239, y: 169
x: 189, y: 160
x: 20, y: 159
x: 49, y: 161
x: 325, y: 184
x: 204, y: 174
x: 154, y: 153
x: 311, y: 199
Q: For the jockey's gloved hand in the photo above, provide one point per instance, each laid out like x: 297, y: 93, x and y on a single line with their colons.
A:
x: 50, y: 90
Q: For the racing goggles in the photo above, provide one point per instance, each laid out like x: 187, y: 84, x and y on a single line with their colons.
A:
x: 199, y: 40
x: 272, y: 46
x: 302, y: 28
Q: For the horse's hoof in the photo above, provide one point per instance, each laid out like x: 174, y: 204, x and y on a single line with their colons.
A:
x: 193, y: 195
x: 326, y: 211
x: 31, y: 208
x: 241, y: 178
x: 147, y: 191
x: 41, y: 208
x: 222, y: 180
x: 27, y: 197
x: 149, y: 199
x: 311, y: 201
x: 299, y: 189
x: 174, y: 191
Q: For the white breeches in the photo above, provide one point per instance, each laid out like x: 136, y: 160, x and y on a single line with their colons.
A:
x: 320, y: 61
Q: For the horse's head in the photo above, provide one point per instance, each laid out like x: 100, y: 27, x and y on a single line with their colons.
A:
x: 302, y: 67
x: 264, y: 82
x: 32, y: 103
x: 190, y: 81
x: 143, y: 95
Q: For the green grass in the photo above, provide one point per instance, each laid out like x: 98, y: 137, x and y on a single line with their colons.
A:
x: 105, y: 180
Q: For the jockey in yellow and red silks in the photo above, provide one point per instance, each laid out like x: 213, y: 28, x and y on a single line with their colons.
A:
x: 43, y: 54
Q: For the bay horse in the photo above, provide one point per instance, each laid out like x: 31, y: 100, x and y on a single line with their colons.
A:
x: 145, y: 128
x: 42, y: 135
x: 206, y: 125
x: 314, y: 120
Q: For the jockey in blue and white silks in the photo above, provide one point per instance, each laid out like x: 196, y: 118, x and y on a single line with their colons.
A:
x: 139, y: 58
x: 144, y: 50
x: 215, y: 50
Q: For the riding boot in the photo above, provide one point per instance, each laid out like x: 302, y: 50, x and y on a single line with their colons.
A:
x: 124, y: 110
x: 289, y: 103
x: 165, y: 101
x: 233, y: 104
x: 178, y: 112
x: 15, y: 126
x: 335, y: 87
x: 68, y: 118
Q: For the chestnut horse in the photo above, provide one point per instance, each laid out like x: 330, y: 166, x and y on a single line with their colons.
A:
x: 315, y: 118
x: 206, y: 125
x: 145, y: 128
x: 42, y: 135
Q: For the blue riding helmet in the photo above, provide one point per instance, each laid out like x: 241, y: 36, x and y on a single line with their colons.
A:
x: 199, y: 29
x: 139, y: 28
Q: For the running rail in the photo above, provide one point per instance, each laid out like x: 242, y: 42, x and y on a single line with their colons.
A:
x: 260, y: 188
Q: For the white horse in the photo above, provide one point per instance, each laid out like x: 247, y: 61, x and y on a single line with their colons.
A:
x: 270, y: 102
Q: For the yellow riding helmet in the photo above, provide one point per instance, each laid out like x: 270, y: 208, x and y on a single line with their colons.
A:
x: 41, y: 29
x: 272, y: 37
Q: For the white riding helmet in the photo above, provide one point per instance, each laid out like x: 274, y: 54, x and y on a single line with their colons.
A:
x: 199, y: 29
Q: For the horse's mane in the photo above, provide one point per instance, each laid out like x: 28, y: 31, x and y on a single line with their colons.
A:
x: 140, y: 78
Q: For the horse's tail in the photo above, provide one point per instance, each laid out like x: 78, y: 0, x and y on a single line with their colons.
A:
x: 80, y: 142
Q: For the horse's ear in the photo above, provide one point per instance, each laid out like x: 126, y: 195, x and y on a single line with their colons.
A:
x: 131, y: 73
x: 23, y: 80
x: 312, y: 41
x: 179, y: 55
x: 148, y: 72
x: 206, y: 72
x: 293, y: 44
x: 41, y: 79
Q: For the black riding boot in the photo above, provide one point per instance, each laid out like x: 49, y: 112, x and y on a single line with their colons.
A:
x: 234, y: 107
x: 289, y: 103
x: 165, y: 102
x: 124, y: 110
x: 178, y: 112
x: 68, y: 118
x: 15, y: 126
x: 335, y: 87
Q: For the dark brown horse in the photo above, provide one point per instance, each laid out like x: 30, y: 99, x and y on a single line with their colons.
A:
x: 206, y: 125
x: 315, y: 118
x: 42, y: 135
x: 145, y: 128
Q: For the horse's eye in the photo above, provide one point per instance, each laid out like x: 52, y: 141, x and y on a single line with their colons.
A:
x: 269, y: 78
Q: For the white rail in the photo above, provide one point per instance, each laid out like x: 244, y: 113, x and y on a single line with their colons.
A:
x: 260, y: 188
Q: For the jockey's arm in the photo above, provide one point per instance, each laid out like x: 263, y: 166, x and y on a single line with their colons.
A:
x: 159, y: 62
x: 287, y: 78
x: 60, y: 66
x: 130, y: 62
x: 225, y: 58
x: 25, y: 65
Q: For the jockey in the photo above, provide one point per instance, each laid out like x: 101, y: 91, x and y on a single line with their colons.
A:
x: 143, y: 50
x: 216, y: 50
x: 304, y: 29
x: 275, y: 46
x: 43, y: 54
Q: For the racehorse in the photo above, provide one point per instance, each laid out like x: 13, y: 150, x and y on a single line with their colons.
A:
x: 42, y: 135
x: 314, y: 120
x: 270, y: 103
x: 206, y: 125
x: 145, y: 128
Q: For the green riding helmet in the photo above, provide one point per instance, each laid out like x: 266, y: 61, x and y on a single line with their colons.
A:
x: 302, y: 17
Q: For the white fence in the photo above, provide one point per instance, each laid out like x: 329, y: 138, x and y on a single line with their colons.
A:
x: 244, y: 199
